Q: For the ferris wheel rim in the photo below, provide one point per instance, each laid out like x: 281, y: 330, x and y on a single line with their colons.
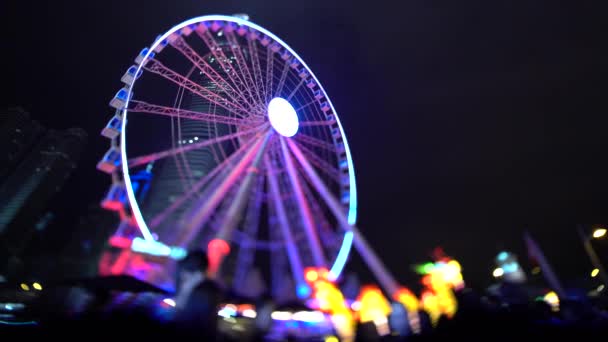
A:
x: 346, y: 246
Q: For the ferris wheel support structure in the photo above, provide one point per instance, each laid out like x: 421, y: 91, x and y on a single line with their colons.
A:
x: 385, y: 278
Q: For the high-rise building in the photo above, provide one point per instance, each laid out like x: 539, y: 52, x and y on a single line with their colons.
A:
x: 18, y: 135
x: 29, y: 186
x: 78, y: 249
x: 174, y: 175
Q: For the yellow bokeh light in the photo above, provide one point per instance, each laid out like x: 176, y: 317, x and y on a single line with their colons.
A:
x: 595, y: 272
x: 373, y: 304
x: 37, y: 286
x: 598, y: 233
x: 330, y: 300
x: 455, y: 264
x: 408, y: 299
x: 430, y: 303
x: 24, y: 287
x: 311, y: 275
x: 438, y: 298
x: 552, y: 299
x: 498, y: 272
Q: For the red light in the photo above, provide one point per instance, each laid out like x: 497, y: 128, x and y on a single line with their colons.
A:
x: 311, y: 275
x: 217, y: 249
x: 323, y: 273
x: 402, y: 292
x: 426, y: 295
x: 120, y: 242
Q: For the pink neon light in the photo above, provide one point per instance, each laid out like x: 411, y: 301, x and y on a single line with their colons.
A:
x: 120, y: 242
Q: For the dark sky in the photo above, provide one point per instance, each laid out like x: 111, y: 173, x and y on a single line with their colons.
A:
x: 467, y: 123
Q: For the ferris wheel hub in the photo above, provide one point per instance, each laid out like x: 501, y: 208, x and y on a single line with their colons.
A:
x: 283, y: 117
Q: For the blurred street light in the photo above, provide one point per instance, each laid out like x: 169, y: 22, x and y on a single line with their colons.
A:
x: 599, y: 233
x: 498, y: 272
x: 593, y: 257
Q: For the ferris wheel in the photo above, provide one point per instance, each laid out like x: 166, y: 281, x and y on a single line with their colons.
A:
x: 224, y: 139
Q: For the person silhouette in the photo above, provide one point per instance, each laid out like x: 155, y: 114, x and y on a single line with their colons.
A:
x: 197, y: 298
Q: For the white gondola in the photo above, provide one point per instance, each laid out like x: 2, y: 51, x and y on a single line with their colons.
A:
x: 130, y: 75
x: 319, y: 94
x: 142, y: 55
x: 110, y: 161
x: 187, y: 30
x: 325, y: 107
x: 116, y: 198
x: 120, y: 99
x: 113, y: 127
x: 161, y: 45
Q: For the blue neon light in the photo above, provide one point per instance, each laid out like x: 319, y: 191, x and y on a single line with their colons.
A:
x: 18, y: 323
x: 502, y: 256
x: 510, y: 267
x: 340, y: 261
x: 303, y: 291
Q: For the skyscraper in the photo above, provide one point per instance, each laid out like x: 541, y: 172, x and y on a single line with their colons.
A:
x: 84, y: 245
x: 18, y: 135
x: 173, y: 176
x: 31, y: 182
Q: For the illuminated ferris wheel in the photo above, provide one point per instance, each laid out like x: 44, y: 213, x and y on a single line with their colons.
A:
x: 224, y: 139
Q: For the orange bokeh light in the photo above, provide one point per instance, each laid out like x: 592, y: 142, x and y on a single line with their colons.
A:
x: 311, y: 275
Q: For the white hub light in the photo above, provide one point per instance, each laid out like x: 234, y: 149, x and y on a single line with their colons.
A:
x: 283, y: 117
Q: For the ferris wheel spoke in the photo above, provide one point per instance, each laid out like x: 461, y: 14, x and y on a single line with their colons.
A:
x: 318, y: 212
x: 158, y: 68
x: 235, y: 47
x: 240, y: 199
x: 304, y: 208
x: 309, y: 140
x: 293, y: 92
x: 320, y: 163
x: 282, y: 79
x: 209, y: 203
x: 201, y: 64
x: 277, y: 204
x: 257, y: 69
x: 307, y: 104
x: 144, y: 107
x: 315, y: 180
x: 194, y: 146
x: 317, y: 123
x: 225, y: 63
x: 269, y: 71
x: 251, y: 224
x: 376, y: 265
x: 194, y: 189
x: 180, y: 160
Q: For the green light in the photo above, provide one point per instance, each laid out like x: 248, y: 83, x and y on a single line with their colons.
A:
x: 425, y: 268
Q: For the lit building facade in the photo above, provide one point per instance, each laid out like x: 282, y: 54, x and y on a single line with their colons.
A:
x: 28, y: 188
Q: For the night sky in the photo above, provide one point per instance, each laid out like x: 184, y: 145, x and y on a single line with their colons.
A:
x: 468, y: 123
